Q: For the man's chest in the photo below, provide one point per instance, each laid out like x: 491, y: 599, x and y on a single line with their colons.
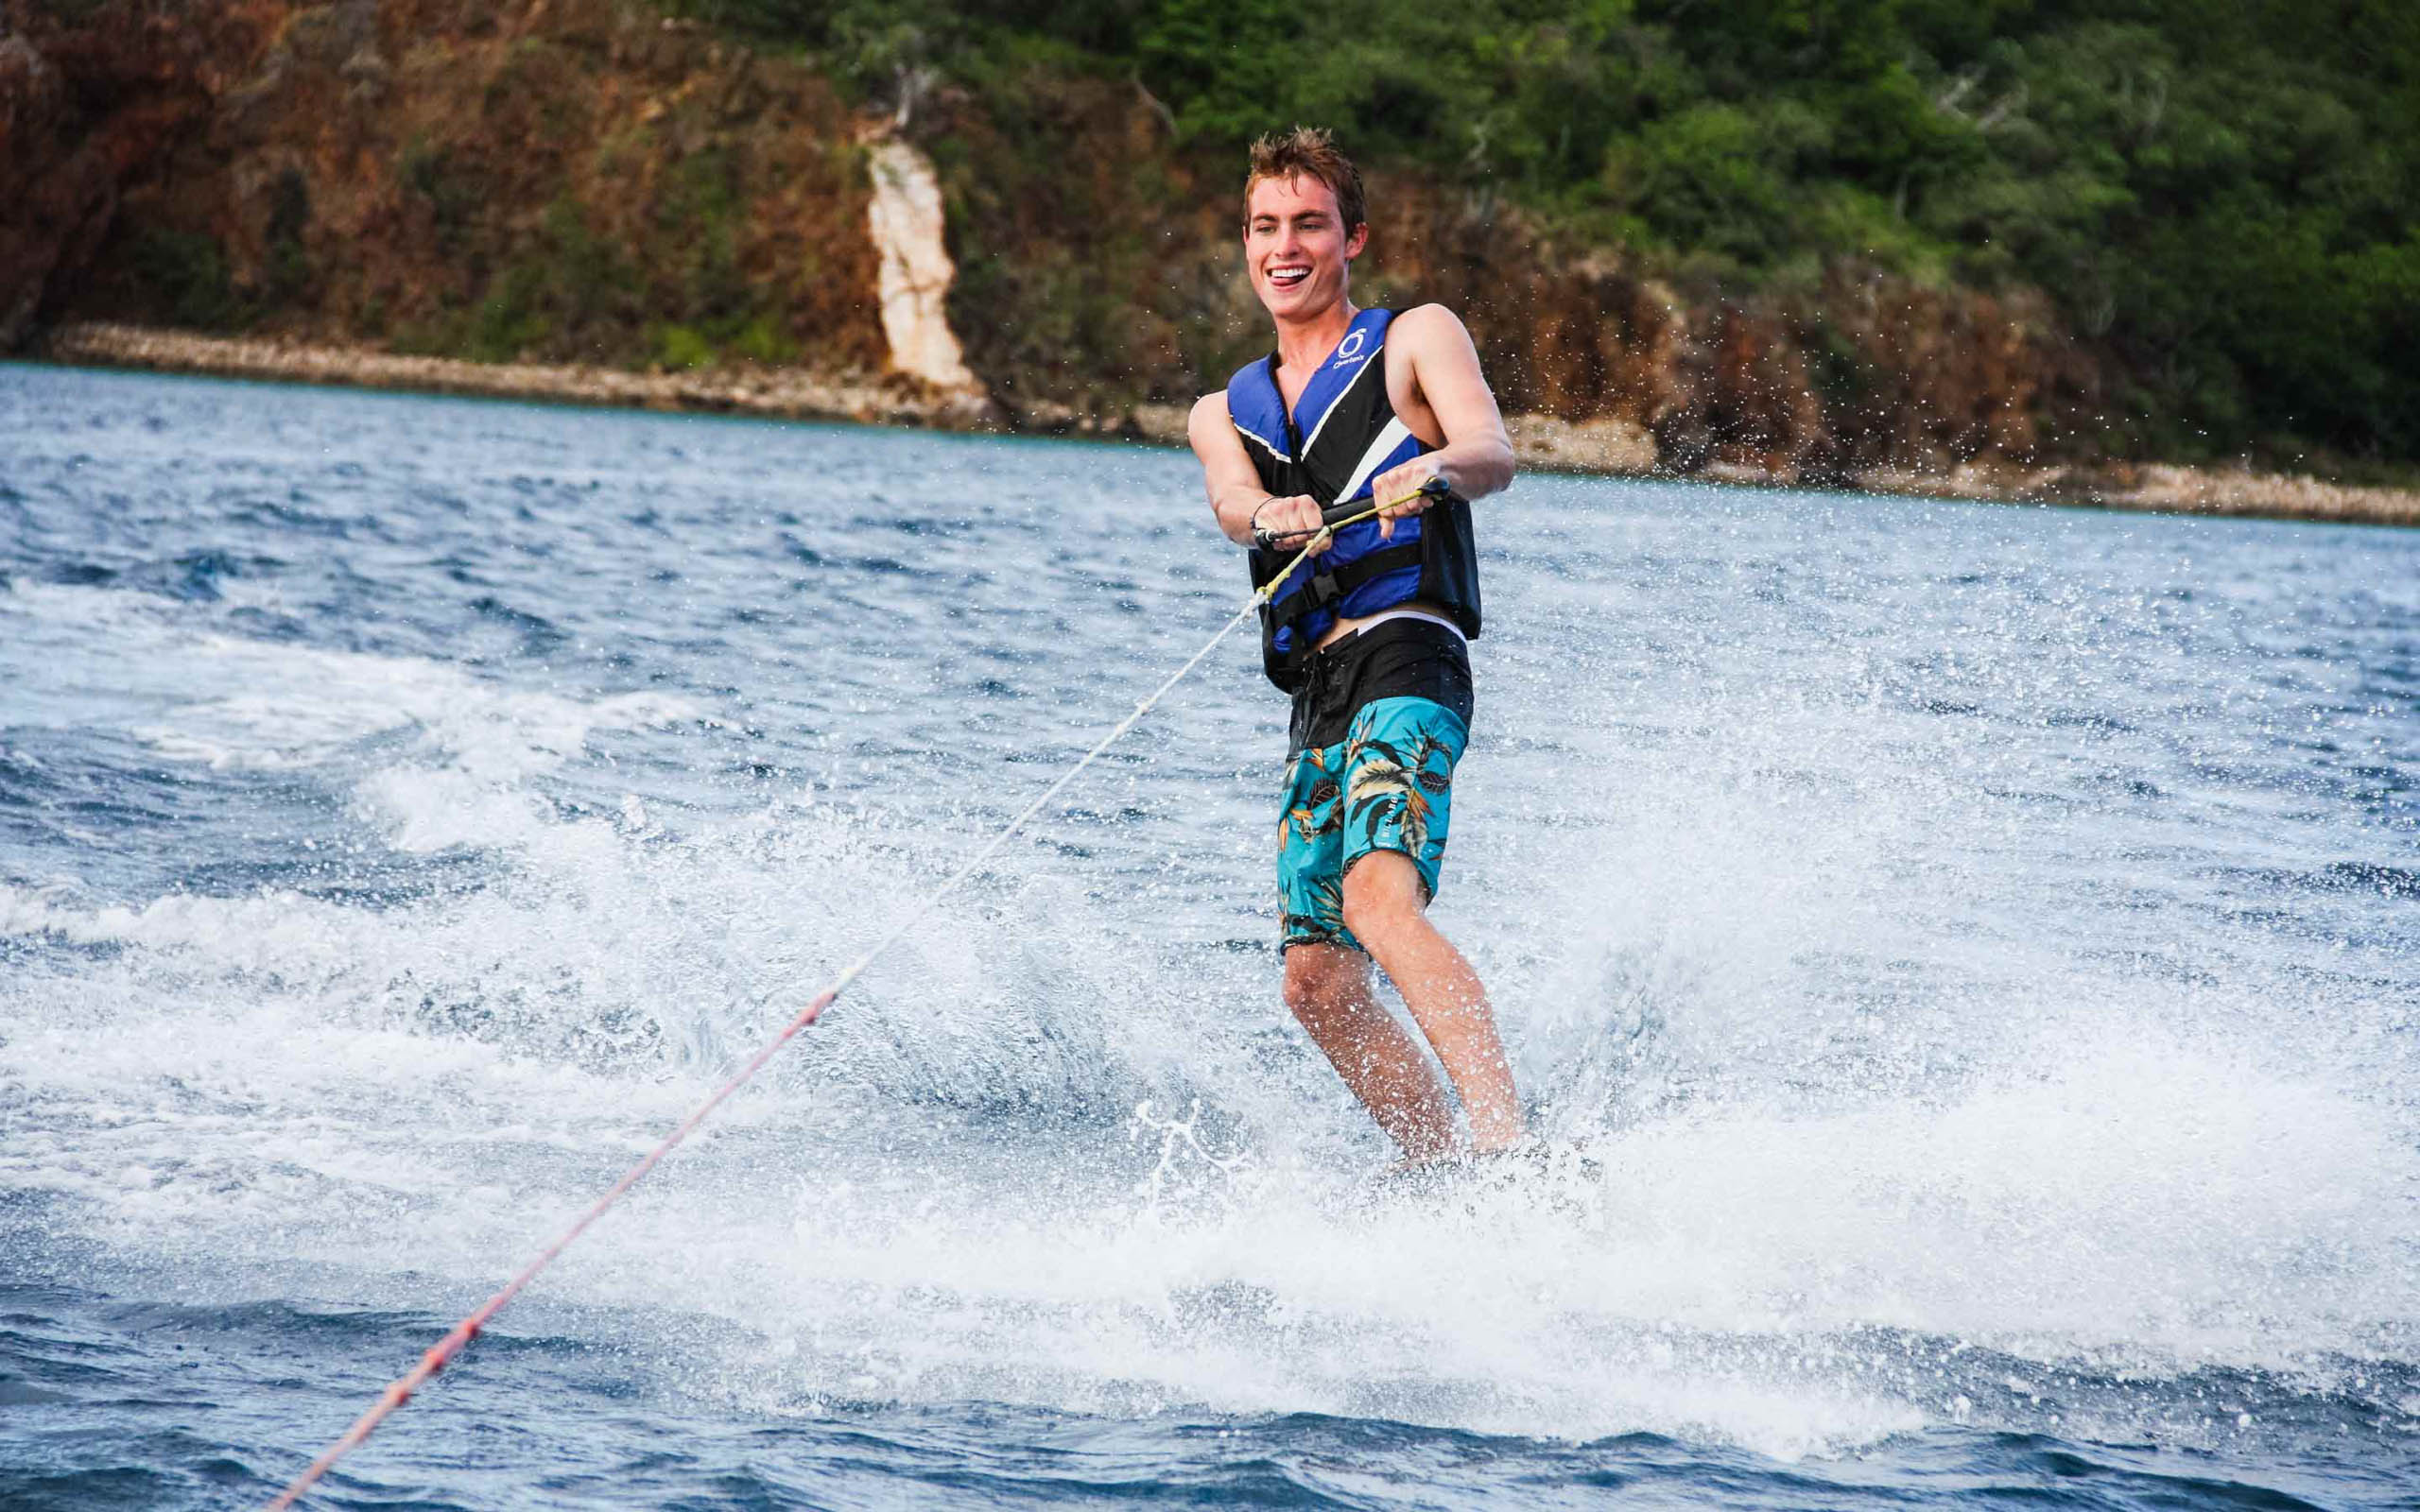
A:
x: 1395, y: 379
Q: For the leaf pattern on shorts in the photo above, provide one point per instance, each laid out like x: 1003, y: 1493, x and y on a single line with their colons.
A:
x: 1318, y: 814
x: 1324, y: 923
x: 1383, y: 791
x: 1387, y: 781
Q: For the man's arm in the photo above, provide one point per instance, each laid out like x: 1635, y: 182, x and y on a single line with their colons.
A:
x: 1236, y: 495
x: 1476, y: 458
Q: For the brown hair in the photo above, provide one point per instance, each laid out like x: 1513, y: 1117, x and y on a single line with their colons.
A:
x: 1308, y: 150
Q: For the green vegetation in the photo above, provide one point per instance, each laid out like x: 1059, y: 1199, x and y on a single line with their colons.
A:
x: 287, y: 273
x: 565, y: 290
x: 2224, y: 194
x: 679, y: 346
x: 187, y: 273
x: 453, y: 192
x: 189, y: 280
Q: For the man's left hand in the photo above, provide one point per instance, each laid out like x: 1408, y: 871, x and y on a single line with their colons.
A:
x: 1401, y: 491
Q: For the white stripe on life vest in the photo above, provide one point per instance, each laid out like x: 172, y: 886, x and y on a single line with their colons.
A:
x: 1266, y: 444
x: 1375, y: 457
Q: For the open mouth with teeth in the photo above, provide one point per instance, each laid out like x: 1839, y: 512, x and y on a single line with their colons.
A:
x: 1289, y: 275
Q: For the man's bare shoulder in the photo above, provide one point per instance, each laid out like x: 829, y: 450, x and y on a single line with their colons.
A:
x: 1209, y: 418
x: 1424, y: 323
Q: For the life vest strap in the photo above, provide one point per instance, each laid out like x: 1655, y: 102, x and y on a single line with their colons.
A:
x: 1325, y: 589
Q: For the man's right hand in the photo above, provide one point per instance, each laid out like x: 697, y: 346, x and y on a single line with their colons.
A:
x: 1287, y: 524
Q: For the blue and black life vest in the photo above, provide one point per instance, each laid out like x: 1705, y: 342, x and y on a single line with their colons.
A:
x: 1341, y: 434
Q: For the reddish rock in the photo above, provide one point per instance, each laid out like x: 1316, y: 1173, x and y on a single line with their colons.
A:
x: 87, y: 106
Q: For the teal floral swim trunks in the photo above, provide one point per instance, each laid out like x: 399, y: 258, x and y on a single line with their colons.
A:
x: 1387, y: 785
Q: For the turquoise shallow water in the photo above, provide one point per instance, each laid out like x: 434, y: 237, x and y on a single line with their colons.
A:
x: 1977, y: 948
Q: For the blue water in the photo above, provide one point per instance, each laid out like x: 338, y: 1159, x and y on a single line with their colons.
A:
x: 1977, y: 950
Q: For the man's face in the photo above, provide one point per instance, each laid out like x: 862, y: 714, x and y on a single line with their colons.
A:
x: 1297, y: 246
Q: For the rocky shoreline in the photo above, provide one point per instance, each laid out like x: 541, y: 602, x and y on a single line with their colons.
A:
x: 778, y: 392
x: 1610, y: 447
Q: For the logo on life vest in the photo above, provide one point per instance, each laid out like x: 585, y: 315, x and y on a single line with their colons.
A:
x: 1348, y: 351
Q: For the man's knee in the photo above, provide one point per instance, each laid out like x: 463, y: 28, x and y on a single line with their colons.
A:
x: 1321, y: 978
x: 1382, y: 896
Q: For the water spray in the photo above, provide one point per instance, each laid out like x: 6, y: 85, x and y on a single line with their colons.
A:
x: 444, y: 1349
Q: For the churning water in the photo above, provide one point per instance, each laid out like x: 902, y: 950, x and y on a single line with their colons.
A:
x: 1977, y: 947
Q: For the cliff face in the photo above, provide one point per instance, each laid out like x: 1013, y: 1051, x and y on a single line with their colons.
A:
x: 570, y: 181
x: 587, y: 181
x: 88, y: 106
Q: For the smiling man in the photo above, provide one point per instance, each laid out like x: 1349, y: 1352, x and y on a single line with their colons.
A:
x: 1364, y: 405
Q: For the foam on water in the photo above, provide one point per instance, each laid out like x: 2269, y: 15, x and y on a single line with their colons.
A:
x: 1911, y: 1069
x: 382, y: 1094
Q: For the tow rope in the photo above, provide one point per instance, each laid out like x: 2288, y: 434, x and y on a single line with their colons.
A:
x: 443, y: 1350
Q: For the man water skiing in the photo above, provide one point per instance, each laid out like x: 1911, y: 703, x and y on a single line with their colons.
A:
x: 1388, y: 408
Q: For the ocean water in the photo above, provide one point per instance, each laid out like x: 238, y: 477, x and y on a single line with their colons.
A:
x: 1970, y: 956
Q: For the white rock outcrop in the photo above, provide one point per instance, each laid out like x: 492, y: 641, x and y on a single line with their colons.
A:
x: 904, y: 218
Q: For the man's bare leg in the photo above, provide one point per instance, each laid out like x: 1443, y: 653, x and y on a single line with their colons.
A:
x: 1327, y: 986
x: 1384, y: 908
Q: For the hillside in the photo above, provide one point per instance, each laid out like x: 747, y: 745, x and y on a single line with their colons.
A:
x: 1801, y: 240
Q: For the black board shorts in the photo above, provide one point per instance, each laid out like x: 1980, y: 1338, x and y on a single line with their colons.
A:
x: 1406, y: 657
